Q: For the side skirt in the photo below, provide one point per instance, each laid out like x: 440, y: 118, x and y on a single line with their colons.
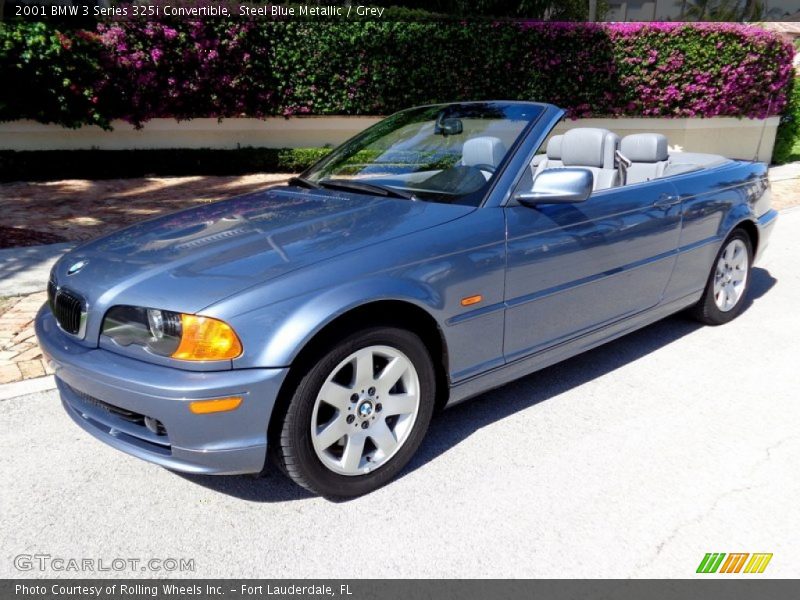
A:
x: 500, y: 376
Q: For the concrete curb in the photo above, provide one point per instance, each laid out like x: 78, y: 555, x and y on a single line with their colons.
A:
x: 27, y: 386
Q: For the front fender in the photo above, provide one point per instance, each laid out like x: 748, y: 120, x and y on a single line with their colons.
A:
x: 432, y: 271
x: 275, y: 334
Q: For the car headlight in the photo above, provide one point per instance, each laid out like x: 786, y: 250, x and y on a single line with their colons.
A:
x: 167, y: 333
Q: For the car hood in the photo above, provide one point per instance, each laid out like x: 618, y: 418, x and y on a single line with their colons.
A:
x: 191, y: 259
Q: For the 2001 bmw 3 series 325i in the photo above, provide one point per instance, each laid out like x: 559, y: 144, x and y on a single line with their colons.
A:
x: 445, y: 251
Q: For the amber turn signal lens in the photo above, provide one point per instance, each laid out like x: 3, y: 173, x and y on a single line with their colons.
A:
x: 204, y: 338
x: 203, y: 407
x: 470, y: 300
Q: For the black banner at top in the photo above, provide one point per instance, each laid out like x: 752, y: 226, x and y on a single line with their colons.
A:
x: 408, y: 10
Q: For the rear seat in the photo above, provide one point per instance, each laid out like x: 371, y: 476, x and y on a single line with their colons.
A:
x: 598, y: 150
x: 649, y: 156
x: 602, y: 152
x: 594, y: 149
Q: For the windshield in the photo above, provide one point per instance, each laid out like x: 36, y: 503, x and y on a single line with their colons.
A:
x: 444, y: 153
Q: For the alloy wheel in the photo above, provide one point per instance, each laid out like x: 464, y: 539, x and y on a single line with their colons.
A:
x: 365, y: 410
x: 730, y: 276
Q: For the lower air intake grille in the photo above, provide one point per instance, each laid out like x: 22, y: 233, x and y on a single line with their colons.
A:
x: 127, y: 415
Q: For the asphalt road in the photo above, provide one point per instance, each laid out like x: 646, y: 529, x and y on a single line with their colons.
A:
x: 633, y: 460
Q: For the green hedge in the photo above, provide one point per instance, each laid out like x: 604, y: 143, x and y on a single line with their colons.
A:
x: 787, y: 140
x: 49, y: 76
x: 139, y: 70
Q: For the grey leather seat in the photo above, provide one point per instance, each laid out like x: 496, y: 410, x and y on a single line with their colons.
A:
x: 649, y: 156
x: 594, y: 149
x: 484, y: 150
x: 552, y: 159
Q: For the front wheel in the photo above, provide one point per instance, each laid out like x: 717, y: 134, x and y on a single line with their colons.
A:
x: 726, y: 289
x: 359, y: 414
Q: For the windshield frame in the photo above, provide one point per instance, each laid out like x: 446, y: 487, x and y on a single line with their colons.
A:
x: 486, y: 190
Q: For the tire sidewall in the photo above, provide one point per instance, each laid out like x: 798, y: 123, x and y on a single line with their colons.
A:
x: 316, y: 475
x: 710, y: 309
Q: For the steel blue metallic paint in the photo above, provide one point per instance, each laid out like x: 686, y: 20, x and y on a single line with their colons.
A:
x: 428, y: 273
x: 280, y: 265
x: 233, y: 442
x: 233, y: 245
x: 576, y: 267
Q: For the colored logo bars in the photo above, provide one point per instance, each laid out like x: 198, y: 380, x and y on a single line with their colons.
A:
x: 713, y: 562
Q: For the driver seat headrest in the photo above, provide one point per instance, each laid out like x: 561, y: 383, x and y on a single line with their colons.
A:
x: 589, y: 147
x: 554, y: 147
x: 485, y: 150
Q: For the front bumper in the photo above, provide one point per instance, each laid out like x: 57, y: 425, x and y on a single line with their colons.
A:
x: 107, y: 394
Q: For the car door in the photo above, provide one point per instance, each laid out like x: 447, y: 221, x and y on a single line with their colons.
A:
x: 573, y: 268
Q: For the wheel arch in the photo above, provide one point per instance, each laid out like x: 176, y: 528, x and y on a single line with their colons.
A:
x: 751, y: 230
x: 739, y: 216
x: 386, y: 312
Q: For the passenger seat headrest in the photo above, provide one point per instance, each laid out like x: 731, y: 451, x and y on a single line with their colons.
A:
x: 610, y: 147
x: 644, y: 147
x: 589, y: 147
x: 554, y: 147
x: 484, y: 150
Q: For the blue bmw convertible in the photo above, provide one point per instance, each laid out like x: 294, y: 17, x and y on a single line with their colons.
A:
x: 446, y: 250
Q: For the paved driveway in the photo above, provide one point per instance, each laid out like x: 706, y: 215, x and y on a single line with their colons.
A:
x: 632, y: 460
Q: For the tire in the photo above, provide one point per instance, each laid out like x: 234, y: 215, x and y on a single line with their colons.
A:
x: 722, y: 300
x: 335, y: 397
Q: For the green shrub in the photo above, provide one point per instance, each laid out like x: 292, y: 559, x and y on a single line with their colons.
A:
x: 49, y: 76
x: 787, y: 140
x: 295, y: 160
x: 138, y: 70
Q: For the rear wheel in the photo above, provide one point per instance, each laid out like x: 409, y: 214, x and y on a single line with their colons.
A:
x: 359, y: 414
x: 726, y: 289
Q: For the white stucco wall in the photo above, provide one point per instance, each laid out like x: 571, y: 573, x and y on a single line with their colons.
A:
x: 735, y: 138
x: 749, y: 139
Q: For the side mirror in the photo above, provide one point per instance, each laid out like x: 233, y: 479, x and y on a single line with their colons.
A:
x: 558, y: 186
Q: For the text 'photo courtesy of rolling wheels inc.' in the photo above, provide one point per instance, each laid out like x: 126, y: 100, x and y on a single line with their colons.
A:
x: 399, y: 299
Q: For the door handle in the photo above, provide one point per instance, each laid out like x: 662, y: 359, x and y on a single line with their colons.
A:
x: 666, y: 201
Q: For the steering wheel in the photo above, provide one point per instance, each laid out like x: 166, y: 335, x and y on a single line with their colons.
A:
x: 485, y: 167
